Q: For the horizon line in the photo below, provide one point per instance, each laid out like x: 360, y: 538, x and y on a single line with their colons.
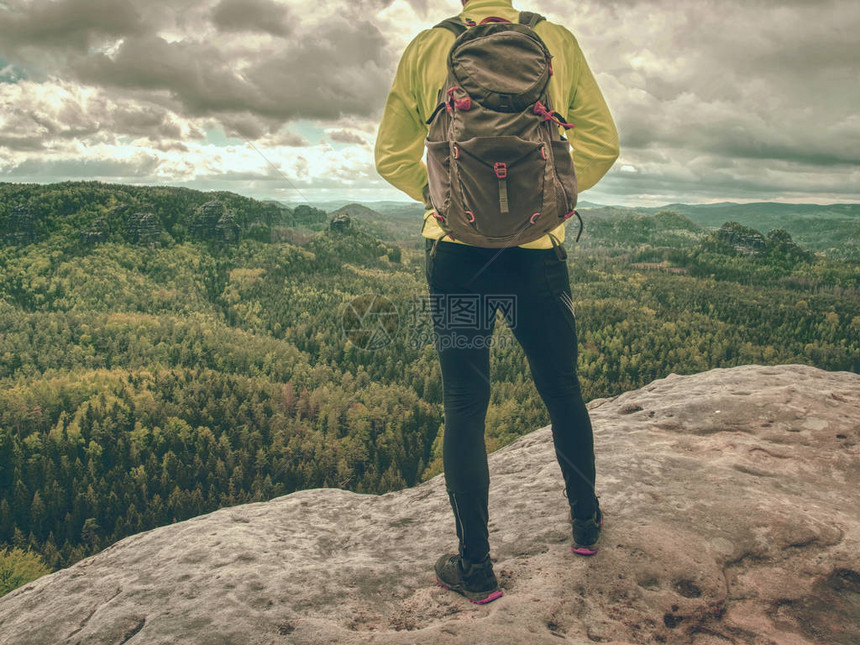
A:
x: 348, y: 201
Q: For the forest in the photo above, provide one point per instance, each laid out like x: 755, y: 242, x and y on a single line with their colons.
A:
x: 166, y: 352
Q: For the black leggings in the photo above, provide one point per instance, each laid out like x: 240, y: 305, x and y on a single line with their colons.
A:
x: 531, y: 287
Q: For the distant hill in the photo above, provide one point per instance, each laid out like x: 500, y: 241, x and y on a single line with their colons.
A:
x: 94, y: 212
x: 833, y: 229
x: 624, y: 229
x: 389, y: 221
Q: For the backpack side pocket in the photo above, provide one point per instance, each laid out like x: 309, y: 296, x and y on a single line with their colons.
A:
x: 439, y: 175
x: 565, y: 172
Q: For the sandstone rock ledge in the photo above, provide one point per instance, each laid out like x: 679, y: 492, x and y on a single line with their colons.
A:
x: 731, y: 516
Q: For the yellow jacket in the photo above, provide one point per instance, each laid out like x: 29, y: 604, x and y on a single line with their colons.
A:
x: 399, y: 151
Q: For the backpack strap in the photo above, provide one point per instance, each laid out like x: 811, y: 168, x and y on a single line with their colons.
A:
x: 558, y: 247
x: 454, y: 25
x: 530, y: 19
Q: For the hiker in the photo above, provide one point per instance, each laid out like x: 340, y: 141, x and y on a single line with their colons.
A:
x: 473, y: 262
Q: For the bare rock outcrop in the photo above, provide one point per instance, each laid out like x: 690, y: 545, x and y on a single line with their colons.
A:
x: 743, y: 239
x: 731, y: 516
x: 143, y: 228
x: 340, y: 223
x: 20, y: 225
x: 214, y: 221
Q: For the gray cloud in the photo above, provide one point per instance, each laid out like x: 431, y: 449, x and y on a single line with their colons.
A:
x: 252, y: 15
x: 342, y: 69
x: 145, y: 120
x: 42, y: 117
x: 24, y: 128
x: 339, y: 69
x: 170, y: 146
x: 246, y: 125
x: 22, y: 142
x: 346, y: 136
x: 337, y: 66
x: 769, y: 87
x: 288, y: 139
x: 197, y: 74
x: 60, y: 24
x: 142, y: 165
x: 766, y: 78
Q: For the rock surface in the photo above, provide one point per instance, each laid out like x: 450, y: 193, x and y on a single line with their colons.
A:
x: 731, y: 516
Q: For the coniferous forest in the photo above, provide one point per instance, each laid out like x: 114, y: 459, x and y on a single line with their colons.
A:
x: 165, y: 352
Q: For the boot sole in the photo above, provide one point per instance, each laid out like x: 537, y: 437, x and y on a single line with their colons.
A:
x: 583, y: 550
x: 475, y: 598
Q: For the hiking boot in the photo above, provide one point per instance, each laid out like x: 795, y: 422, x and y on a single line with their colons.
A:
x: 475, y: 581
x: 586, y: 532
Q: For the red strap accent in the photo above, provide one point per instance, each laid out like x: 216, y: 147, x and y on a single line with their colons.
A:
x: 570, y: 214
x: 456, y: 151
x: 492, y: 19
x: 543, y: 151
x: 533, y: 217
x: 501, y: 170
x: 541, y: 110
x: 470, y: 22
x: 461, y: 104
x: 471, y: 216
x: 439, y: 217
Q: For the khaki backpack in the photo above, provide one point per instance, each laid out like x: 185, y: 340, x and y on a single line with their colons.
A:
x: 500, y: 173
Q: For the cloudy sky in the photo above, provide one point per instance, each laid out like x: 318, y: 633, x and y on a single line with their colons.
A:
x: 741, y: 100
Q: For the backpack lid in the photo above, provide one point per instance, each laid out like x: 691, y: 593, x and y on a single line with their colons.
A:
x: 503, y: 66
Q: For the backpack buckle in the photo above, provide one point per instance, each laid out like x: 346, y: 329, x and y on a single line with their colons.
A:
x: 501, y: 170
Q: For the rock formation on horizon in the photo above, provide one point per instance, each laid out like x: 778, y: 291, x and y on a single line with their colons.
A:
x: 20, y: 225
x: 731, y: 516
x: 143, y: 228
x: 743, y: 239
x: 340, y: 223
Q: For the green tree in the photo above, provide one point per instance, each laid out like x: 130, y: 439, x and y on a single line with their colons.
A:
x: 18, y: 567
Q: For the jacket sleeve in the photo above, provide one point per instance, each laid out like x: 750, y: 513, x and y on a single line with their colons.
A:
x: 399, y: 149
x: 594, y: 138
